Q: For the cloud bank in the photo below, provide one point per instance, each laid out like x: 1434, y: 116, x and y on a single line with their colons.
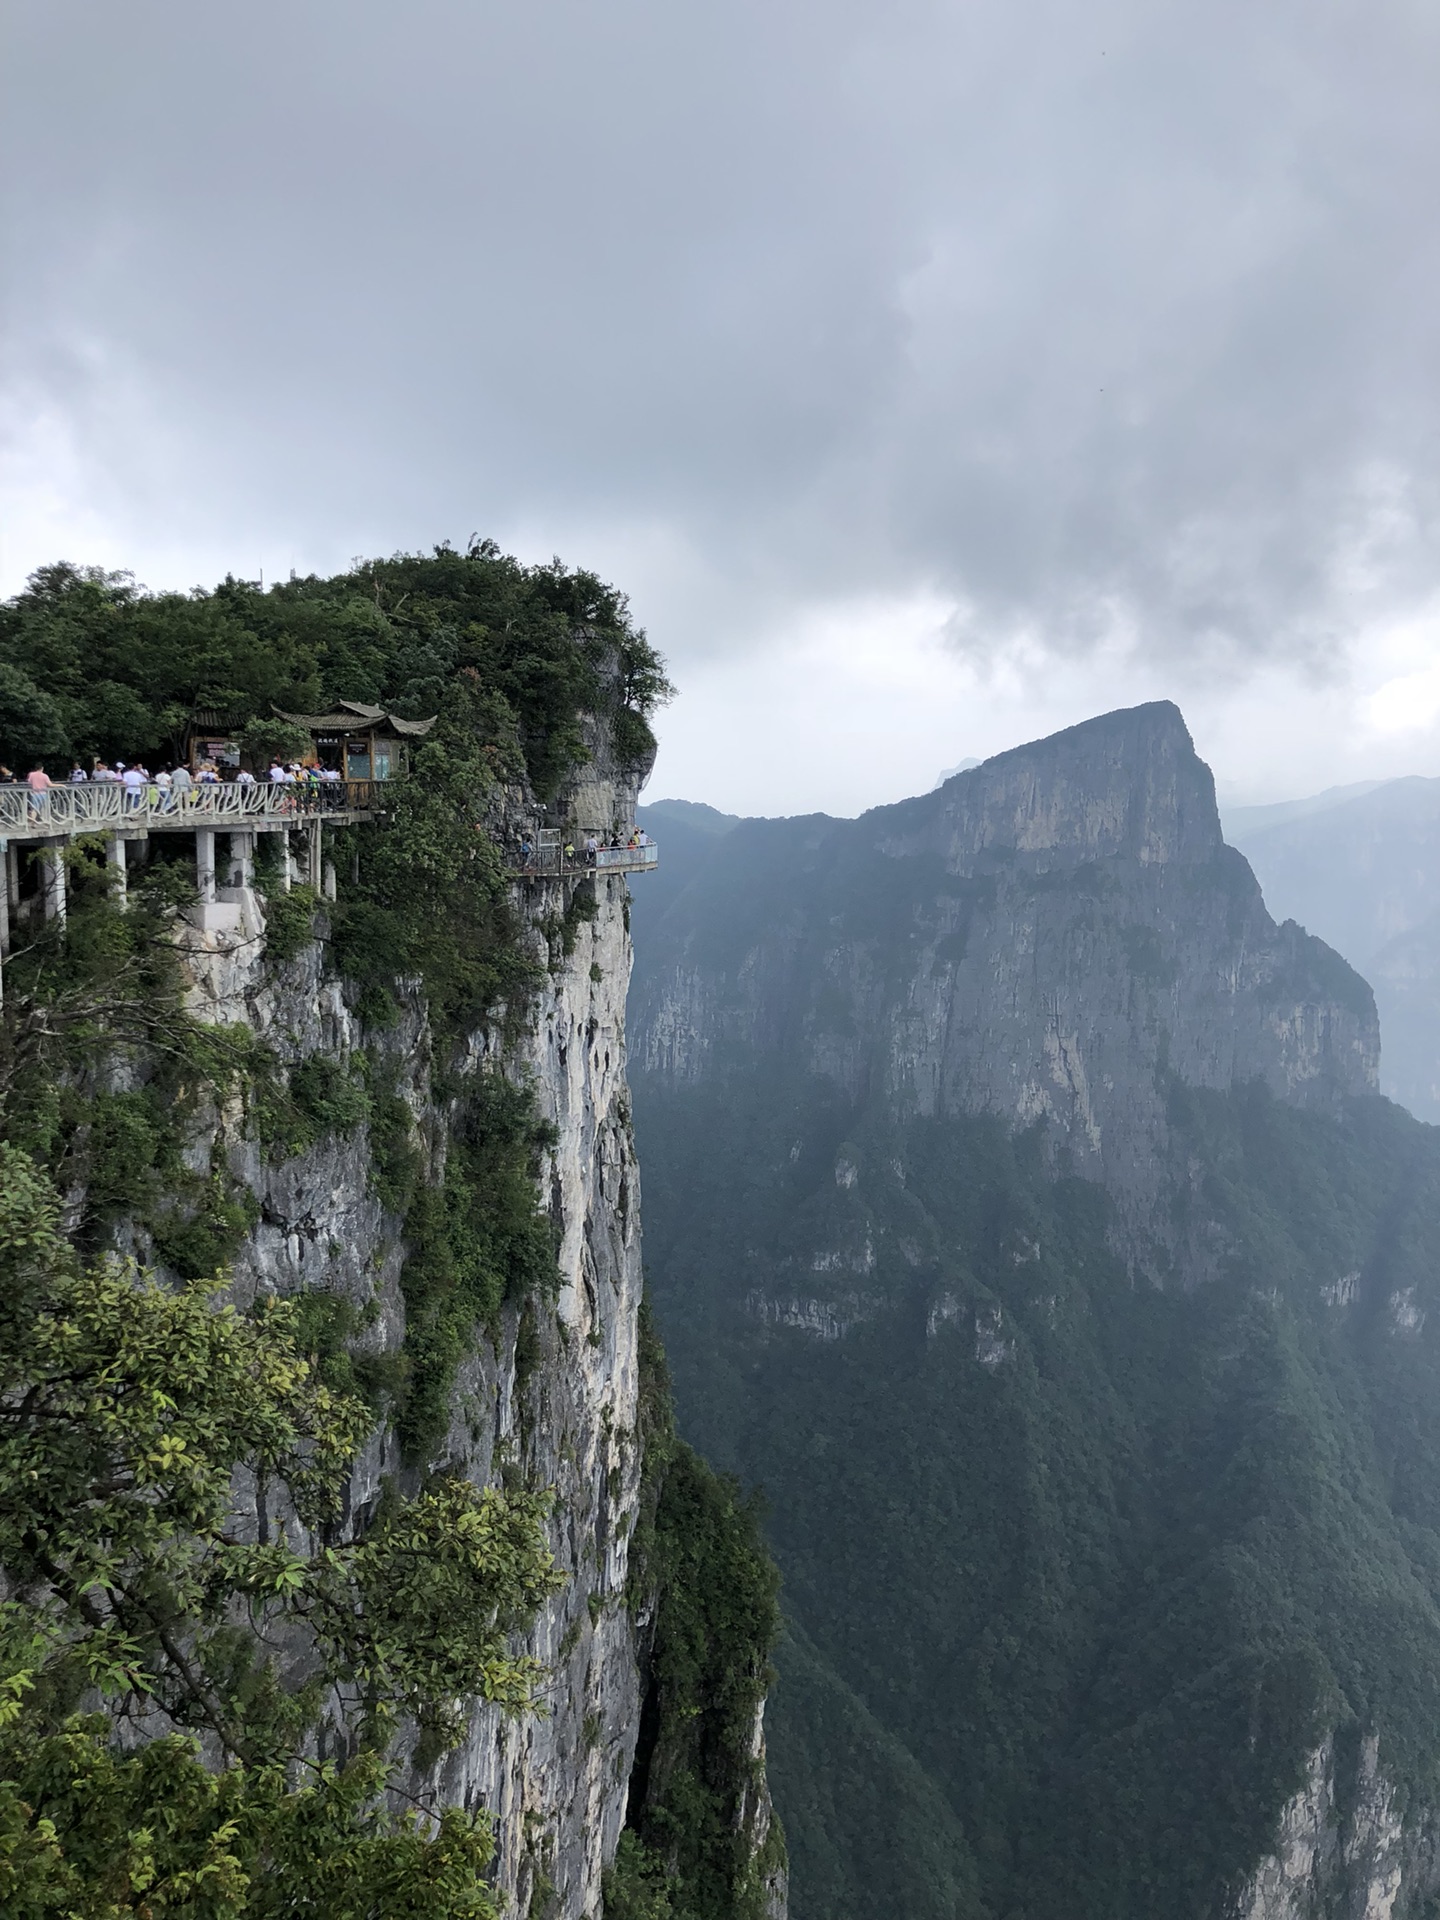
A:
x: 1071, y: 350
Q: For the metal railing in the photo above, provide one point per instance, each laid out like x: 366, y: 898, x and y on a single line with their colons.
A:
x: 105, y: 807
x: 538, y: 862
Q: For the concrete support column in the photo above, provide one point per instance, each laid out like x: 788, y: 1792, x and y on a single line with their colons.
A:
x: 52, y: 871
x: 313, y: 857
x: 242, y: 860
x: 115, y: 861
x: 205, y: 865
x: 285, y: 860
x: 12, y: 876
x: 329, y: 878
x: 5, y: 904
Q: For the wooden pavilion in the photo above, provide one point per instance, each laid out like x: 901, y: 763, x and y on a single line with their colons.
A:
x: 359, y: 741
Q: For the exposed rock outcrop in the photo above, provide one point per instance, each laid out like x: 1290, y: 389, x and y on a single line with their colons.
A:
x: 557, y: 1407
x: 1342, y: 1848
x: 1046, y: 936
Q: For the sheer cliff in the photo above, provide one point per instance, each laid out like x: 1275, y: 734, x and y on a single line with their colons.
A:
x: 349, y: 1560
x: 547, y: 1394
x: 1022, y: 1216
x: 1042, y: 937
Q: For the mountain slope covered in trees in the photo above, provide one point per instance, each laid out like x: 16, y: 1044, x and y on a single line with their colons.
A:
x: 1079, y: 1316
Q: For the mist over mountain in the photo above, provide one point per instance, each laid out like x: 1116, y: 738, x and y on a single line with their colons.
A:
x: 1360, y: 866
x: 1023, y: 1218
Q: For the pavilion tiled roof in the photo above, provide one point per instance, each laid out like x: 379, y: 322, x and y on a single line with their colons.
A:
x: 351, y: 711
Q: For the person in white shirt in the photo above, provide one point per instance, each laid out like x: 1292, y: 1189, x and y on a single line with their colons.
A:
x: 134, y: 782
x: 244, y: 778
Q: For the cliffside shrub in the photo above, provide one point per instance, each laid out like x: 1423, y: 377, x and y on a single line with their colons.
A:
x: 126, y: 1408
x: 317, y: 1098
x: 476, y: 1240
x: 289, y: 923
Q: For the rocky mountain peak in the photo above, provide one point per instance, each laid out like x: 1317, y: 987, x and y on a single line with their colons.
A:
x: 1126, y: 785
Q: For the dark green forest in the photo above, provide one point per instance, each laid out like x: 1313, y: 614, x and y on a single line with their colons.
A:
x: 1077, y: 1571
x: 1089, y: 1539
x: 93, y: 664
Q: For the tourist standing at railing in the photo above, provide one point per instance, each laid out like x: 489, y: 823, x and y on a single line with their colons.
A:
x: 134, y: 782
x: 104, y: 775
x: 78, y: 775
x: 38, y: 781
x: 182, y: 786
x: 244, y: 778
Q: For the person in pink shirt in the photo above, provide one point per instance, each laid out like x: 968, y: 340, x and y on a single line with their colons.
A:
x: 38, y: 781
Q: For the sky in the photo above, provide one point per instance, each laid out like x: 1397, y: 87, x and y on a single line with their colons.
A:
x: 931, y: 376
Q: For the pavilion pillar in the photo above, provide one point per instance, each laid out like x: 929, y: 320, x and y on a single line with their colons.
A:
x: 205, y: 865
x: 52, y: 880
x: 115, y: 861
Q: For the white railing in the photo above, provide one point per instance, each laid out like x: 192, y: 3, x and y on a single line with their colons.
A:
x: 104, y: 806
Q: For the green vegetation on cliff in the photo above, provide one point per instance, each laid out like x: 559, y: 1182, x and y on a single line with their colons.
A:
x: 1086, y: 1567
x: 92, y: 664
x: 696, y: 1845
x: 127, y: 1408
x: 176, y: 1547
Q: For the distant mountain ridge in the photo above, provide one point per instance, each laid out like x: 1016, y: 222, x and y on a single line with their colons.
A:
x: 1021, y: 1216
x: 933, y: 949
x: 1362, y: 870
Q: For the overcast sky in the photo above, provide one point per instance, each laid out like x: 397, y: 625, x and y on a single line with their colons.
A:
x: 931, y: 375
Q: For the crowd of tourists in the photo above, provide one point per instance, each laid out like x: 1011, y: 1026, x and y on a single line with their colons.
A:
x: 587, y: 853
x: 170, y: 788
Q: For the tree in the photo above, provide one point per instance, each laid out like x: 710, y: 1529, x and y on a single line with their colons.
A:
x: 129, y: 1413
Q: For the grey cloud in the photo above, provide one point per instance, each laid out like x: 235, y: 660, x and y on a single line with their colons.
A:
x: 1078, y: 315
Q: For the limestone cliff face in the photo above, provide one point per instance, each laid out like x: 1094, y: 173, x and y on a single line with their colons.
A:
x: 563, y: 1416
x: 1343, y: 1848
x: 890, y: 1311
x: 1046, y: 936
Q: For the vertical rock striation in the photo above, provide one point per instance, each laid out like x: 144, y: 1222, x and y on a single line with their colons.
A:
x: 550, y: 1398
x: 1045, y: 937
x: 1134, y: 1583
